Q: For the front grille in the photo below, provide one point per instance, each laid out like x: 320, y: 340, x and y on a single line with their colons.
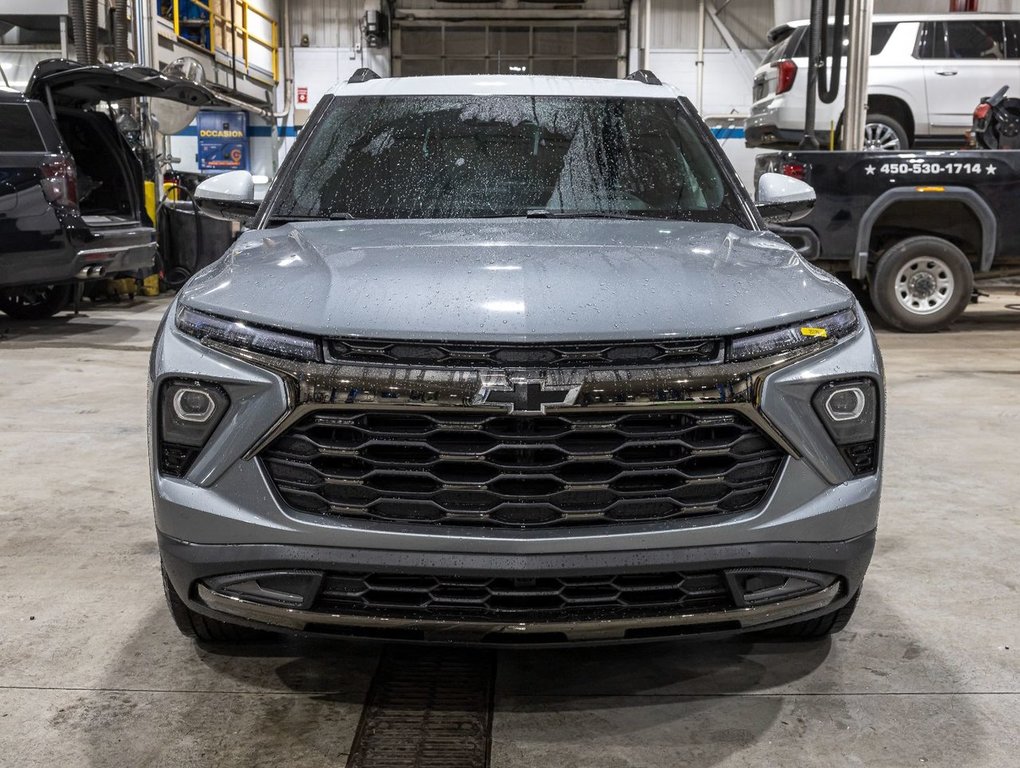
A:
x: 560, y: 598
x: 467, y: 467
x: 502, y: 355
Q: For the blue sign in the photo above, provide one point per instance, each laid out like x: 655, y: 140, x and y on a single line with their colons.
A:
x: 222, y: 141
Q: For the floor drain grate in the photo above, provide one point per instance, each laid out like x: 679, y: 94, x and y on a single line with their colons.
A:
x: 427, y: 708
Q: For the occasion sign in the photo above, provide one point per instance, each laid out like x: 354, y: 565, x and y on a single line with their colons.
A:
x: 222, y: 141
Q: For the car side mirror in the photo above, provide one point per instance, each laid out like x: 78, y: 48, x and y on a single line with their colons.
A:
x: 782, y: 198
x: 228, y: 196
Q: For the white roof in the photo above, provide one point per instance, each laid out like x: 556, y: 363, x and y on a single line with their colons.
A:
x: 515, y: 85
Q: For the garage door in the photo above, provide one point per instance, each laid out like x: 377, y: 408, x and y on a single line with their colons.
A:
x: 593, y: 48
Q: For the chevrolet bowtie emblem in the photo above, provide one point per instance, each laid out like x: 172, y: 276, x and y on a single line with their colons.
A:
x: 529, y: 396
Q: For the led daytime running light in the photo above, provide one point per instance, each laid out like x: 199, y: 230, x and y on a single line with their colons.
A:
x: 236, y: 333
x: 791, y: 337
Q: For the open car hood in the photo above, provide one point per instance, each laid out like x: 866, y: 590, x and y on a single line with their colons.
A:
x: 77, y: 85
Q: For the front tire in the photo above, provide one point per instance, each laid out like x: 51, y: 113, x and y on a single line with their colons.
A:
x: 35, y: 302
x: 922, y: 284
x: 204, y: 629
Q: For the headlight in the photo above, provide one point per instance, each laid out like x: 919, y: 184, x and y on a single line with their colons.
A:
x: 794, y: 336
x: 189, y: 412
x: 237, y: 333
x: 849, y: 410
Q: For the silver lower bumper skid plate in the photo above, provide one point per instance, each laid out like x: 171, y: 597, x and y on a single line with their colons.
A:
x: 612, y: 629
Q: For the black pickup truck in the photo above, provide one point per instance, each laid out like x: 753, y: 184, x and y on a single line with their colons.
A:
x: 913, y: 228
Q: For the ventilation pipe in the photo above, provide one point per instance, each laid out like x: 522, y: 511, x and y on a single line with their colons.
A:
x: 91, y: 14
x: 120, y: 30
x: 142, y: 25
x: 288, y: 66
x: 856, y: 110
x: 699, y: 63
x: 81, y: 51
x: 646, y: 33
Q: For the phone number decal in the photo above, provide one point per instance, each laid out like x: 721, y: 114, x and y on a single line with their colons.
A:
x: 929, y: 168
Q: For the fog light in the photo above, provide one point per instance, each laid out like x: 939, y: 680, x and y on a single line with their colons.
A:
x: 193, y: 405
x: 849, y: 411
x: 845, y: 404
x: 189, y: 413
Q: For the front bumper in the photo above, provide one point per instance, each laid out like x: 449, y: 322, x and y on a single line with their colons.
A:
x: 189, y: 565
x: 226, y: 517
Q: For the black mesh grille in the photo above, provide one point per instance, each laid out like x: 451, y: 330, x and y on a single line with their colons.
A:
x: 469, y: 355
x: 520, y: 470
x: 543, y: 598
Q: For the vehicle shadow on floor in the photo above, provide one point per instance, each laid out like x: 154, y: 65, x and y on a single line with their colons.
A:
x: 691, y: 702
x: 106, y: 322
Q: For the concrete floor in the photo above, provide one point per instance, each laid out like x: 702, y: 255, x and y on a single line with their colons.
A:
x: 92, y: 672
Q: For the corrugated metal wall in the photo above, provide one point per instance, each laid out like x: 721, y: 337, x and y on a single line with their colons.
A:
x: 675, y: 24
x: 328, y: 23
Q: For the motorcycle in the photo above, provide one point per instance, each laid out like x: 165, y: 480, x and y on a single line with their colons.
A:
x: 997, y: 122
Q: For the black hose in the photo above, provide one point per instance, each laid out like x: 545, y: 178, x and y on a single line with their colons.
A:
x: 814, y: 31
x: 818, y: 44
x: 828, y: 92
x: 176, y: 275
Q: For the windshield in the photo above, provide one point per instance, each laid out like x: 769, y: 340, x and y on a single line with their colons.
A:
x: 399, y: 157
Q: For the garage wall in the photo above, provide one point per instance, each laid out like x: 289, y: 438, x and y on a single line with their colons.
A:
x: 327, y: 23
x: 332, y: 50
x: 675, y: 23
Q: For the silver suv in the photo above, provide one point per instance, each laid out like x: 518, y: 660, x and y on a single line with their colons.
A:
x: 512, y: 358
x: 926, y: 74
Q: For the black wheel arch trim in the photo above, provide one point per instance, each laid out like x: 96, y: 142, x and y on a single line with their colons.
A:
x: 970, y: 198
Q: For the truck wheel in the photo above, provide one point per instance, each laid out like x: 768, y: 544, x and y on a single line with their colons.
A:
x: 882, y: 132
x: 817, y: 628
x: 205, y: 629
x: 922, y: 284
x: 35, y: 302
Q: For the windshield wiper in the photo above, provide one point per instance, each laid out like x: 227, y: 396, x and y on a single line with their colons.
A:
x: 284, y: 218
x: 546, y: 213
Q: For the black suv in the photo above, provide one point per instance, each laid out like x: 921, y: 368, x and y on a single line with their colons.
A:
x: 71, y: 187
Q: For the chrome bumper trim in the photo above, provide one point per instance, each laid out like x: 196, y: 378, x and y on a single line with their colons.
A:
x: 612, y: 629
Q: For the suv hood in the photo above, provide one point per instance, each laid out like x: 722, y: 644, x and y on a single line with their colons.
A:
x: 514, y: 280
x: 76, y: 85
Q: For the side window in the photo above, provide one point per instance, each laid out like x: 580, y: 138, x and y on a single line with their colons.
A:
x: 931, y: 43
x: 1012, y: 30
x: 975, y: 40
x: 880, y: 34
x: 776, y: 50
x: 17, y: 130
